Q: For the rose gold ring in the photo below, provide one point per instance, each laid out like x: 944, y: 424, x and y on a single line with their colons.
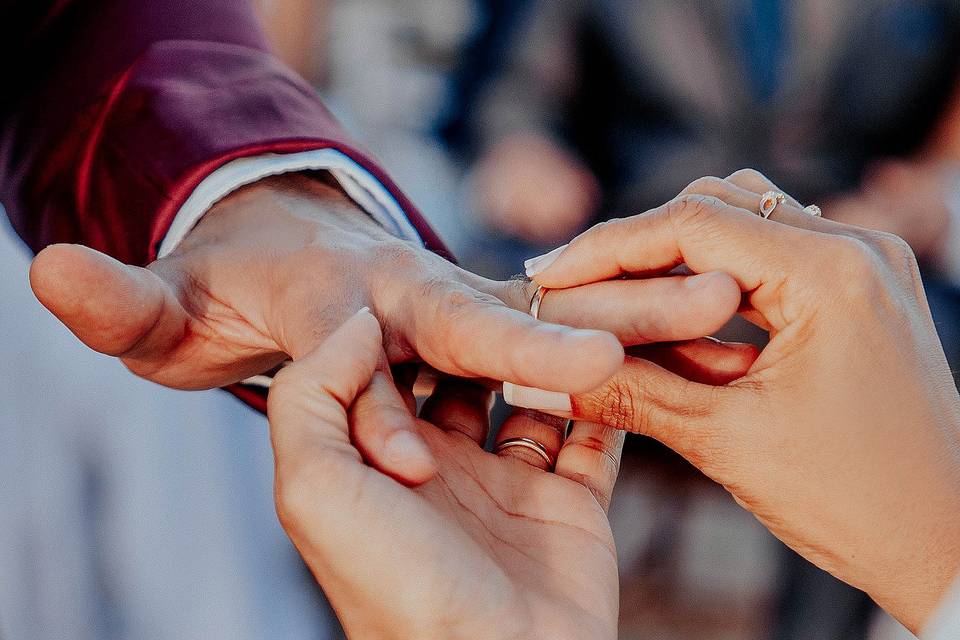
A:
x: 529, y: 444
x: 537, y: 301
x: 769, y: 201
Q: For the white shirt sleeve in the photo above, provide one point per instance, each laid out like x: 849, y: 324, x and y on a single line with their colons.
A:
x: 945, y: 624
x: 369, y: 194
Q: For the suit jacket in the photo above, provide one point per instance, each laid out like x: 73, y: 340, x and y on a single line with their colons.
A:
x: 113, y: 111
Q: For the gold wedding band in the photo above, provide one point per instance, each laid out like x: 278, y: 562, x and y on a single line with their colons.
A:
x: 769, y: 201
x: 536, y: 301
x: 529, y: 444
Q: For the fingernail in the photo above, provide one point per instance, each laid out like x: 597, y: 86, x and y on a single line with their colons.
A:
x: 701, y: 280
x: 365, y: 310
x: 404, y: 447
x: 530, y: 398
x: 539, y: 264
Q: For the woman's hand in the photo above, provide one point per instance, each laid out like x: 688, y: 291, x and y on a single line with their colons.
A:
x: 491, y: 548
x: 844, y: 436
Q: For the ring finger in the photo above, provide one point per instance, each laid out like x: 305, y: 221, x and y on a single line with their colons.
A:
x: 739, y: 190
x: 531, y: 437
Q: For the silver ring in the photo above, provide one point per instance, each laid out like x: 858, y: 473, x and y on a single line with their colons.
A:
x: 526, y: 443
x: 537, y: 301
x: 813, y: 210
x: 769, y: 201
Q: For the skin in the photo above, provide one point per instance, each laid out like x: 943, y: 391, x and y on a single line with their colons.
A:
x: 493, y: 547
x: 843, y: 438
x: 529, y: 187
x: 273, y: 269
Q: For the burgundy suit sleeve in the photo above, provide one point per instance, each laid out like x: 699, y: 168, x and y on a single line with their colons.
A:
x: 120, y: 108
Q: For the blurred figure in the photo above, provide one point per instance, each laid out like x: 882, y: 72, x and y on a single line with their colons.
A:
x: 609, y: 107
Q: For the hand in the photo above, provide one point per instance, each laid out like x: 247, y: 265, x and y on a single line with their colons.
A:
x: 274, y: 268
x: 529, y: 187
x: 491, y: 548
x: 844, y: 436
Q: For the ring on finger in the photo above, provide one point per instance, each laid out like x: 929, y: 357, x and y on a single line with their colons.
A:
x: 536, y: 301
x: 769, y: 201
x: 813, y: 210
x: 531, y: 445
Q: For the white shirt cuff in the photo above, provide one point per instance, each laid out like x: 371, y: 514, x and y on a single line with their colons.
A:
x: 369, y: 194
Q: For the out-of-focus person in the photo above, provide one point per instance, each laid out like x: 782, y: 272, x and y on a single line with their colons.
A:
x: 603, y: 106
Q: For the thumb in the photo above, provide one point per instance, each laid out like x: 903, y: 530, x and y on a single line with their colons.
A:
x: 111, y: 307
x: 313, y: 401
x: 315, y: 394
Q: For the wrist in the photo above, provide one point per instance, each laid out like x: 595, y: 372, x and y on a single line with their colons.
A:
x: 919, y: 572
x: 290, y: 200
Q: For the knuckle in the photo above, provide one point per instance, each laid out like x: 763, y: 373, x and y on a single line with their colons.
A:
x: 693, y: 208
x: 747, y: 176
x: 895, y: 250
x: 452, y: 302
x: 518, y: 293
x: 618, y: 406
x: 707, y: 185
x: 853, y: 262
x: 453, y: 314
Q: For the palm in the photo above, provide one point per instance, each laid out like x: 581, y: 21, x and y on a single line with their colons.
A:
x: 546, y: 535
x: 491, y: 548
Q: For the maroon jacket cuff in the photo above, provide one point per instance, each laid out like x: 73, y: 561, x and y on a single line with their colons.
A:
x: 117, y: 179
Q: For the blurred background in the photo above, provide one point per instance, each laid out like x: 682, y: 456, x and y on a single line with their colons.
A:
x: 132, y: 511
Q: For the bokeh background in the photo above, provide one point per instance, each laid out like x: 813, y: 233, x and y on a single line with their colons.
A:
x: 132, y: 511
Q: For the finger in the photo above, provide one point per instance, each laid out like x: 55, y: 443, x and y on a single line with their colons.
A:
x: 591, y: 457
x: 136, y: 315
x: 113, y: 308
x: 707, y: 361
x: 462, y: 406
x: 753, y: 184
x: 703, y: 232
x: 732, y: 192
x: 309, y: 399
x: 644, y: 398
x: 543, y: 429
x: 476, y: 335
x: 639, y: 311
x: 385, y: 432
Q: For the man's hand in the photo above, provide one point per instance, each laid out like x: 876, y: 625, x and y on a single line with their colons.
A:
x: 492, y: 548
x: 273, y: 269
